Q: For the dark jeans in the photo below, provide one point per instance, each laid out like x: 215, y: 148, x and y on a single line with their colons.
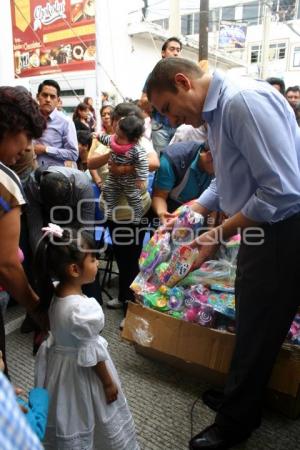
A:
x: 267, y: 298
x: 127, y: 242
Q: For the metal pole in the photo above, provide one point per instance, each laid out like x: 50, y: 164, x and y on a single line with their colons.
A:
x: 203, y: 30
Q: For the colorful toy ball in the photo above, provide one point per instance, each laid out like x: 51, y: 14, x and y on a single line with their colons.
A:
x: 205, y: 316
x: 176, y: 303
x: 190, y: 315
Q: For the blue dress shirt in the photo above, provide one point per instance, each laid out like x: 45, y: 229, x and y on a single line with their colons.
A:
x: 15, y: 433
x: 255, y: 143
x: 60, y: 139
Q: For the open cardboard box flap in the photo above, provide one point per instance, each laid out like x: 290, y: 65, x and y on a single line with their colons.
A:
x: 177, y: 340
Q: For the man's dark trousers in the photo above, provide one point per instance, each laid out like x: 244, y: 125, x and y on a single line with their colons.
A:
x: 267, y: 297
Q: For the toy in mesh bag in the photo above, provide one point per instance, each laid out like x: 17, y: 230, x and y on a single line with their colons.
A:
x: 155, y: 251
x: 179, y: 266
x: 218, y: 273
x: 187, y: 225
x: 294, y: 332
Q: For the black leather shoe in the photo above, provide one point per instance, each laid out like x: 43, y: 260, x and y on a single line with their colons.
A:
x: 28, y: 325
x: 213, y: 399
x: 214, y: 438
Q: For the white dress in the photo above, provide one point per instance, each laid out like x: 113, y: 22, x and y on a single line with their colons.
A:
x: 79, y: 417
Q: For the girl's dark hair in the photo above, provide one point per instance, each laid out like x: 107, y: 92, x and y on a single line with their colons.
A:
x: 132, y: 126
x: 126, y: 109
x: 80, y: 107
x: 19, y: 113
x: 84, y: 138
x: 53, y: 255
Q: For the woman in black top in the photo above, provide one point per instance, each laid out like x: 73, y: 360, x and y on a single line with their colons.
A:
x: 80, y: 117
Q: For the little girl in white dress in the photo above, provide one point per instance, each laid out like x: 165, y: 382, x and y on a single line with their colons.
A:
x: 88, y: 410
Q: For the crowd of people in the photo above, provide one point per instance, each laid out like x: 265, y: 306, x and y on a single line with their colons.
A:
x: 231, y: 146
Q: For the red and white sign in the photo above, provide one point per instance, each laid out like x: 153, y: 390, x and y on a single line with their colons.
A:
x: 51, y: 36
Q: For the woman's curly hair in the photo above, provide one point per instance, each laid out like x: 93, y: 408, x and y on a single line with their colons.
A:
x: 19, y: 112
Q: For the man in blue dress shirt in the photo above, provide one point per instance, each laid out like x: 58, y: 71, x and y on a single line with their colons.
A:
x: 255, y: 143
x: 58, y: 146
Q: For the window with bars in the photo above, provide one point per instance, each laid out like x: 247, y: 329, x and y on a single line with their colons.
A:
x: 276, y: 51
x: 255, y: 55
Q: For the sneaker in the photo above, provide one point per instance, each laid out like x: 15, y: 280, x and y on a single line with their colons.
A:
x: 122, y: 324
x: 114, y: 304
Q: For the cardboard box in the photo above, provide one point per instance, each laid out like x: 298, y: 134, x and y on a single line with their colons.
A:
x: 207, y: 353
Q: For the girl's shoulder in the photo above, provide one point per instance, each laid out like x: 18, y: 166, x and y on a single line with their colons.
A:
x: 76, y: 299
x: 86, y: 317
x: 82, y: 315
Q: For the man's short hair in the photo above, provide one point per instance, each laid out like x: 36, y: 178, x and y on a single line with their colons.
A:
x: 162, y: 77
x: 55, y: 189
x: 293, y: 89
x: 171, y: 39
x: 52, y: 83
x: 278, y: 81
x: 84, y: 138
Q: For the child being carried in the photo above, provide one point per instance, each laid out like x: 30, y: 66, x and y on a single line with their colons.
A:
x: 126, y: 151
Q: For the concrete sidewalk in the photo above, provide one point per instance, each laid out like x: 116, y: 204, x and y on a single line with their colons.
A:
x: 160, y: 397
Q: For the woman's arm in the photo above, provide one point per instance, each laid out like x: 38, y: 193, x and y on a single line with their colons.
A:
x: 95, y: 177
x: 153, y: 161
x: 94, y: 161
x: 12, y: 275
x: 119, y: 169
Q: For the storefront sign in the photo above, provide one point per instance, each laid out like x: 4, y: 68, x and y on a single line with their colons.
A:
x: 51, y: 36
